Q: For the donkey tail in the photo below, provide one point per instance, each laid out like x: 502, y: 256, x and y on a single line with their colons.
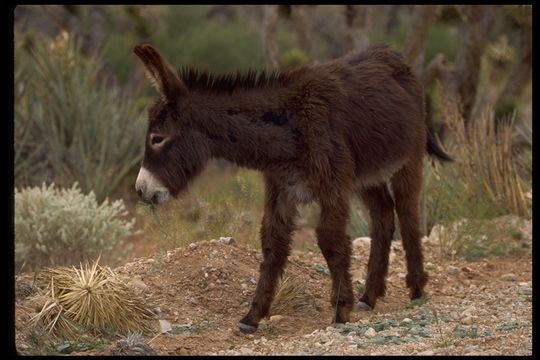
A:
x: 434, y: 148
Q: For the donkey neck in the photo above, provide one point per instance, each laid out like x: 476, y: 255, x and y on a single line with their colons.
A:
x: 251, y: 128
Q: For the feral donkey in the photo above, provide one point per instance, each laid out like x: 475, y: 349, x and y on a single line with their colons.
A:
x: 327, y: 132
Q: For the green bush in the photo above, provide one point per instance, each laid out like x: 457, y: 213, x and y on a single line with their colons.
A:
x: 55, y: 227
x: 77, y: 126
x: 188, y: 38
x: 293, y: 58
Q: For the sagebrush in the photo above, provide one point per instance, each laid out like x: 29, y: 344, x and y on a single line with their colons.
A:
x: 59, y: 226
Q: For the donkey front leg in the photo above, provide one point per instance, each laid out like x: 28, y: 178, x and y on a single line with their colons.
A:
x: 336, y: 248
x: 276, y: 229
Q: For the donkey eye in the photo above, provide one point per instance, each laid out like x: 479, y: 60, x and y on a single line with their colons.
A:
x: 156, y: 139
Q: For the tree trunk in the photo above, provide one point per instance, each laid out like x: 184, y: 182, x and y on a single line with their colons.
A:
x: 94, y: 34
x: 460, y: 80
x: 269, y: 41
x: 298, y: 14
x: 392, y: 22
x: 478, y: 23
x: 522, y: 70
x: 415, y: 41
x: 357, y: 23
x: 350, y: 14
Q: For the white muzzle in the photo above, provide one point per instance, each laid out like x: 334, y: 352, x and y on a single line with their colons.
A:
x: 150, y: 189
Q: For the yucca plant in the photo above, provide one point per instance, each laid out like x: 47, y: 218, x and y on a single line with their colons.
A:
x: 93, y: 298
x: 89, y: 131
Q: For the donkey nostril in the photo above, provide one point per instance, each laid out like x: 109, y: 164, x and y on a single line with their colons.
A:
x: 139, y: 192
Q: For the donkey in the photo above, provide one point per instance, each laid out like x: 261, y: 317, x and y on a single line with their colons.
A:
x: 323, y: 133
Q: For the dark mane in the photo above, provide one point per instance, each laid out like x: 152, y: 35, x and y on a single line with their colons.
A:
x: 227, y: 83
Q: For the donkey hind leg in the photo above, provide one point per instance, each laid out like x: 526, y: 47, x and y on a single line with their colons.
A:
x: 336, y: 248
x: 380, y: 206
x: 406, y: 186
x: 276, y: 229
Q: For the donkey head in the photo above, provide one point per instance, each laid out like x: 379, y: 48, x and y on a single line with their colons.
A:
x: 174, y: 151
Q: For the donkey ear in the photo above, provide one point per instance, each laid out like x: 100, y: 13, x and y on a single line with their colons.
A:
x: 160, y: 74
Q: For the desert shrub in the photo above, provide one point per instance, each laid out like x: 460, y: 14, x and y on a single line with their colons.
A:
x: 56, y: 226
x: 70, y: 122
x: 483, y: 182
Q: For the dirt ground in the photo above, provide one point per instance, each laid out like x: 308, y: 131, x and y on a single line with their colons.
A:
x: 482, y: 307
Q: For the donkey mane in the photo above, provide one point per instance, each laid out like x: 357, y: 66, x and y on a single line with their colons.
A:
x: 202, y: 80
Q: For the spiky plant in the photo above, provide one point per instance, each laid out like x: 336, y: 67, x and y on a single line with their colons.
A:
x: 92, y: 297
x: 132, y: 344
x: 53, y: 320
x: 290, y: 297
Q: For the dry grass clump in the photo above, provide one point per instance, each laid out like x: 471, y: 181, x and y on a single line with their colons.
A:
x: 483, y: 152
x: 290, y: 297
x: 92, y: 297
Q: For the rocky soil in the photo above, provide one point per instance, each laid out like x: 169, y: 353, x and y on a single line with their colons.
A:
x: 201, y: 291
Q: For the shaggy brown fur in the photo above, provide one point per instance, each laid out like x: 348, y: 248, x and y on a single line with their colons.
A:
x: 325, y: 133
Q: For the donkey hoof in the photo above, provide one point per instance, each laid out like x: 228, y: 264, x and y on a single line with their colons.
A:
x: 247, y: 329
x: 362, y: 306
x: 416, y: 294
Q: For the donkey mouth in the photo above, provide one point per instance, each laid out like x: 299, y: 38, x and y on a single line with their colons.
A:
x: 150, y: 190
x: 157, y: 198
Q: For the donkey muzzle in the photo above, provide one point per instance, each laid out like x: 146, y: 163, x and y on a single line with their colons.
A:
x: 150, y: 189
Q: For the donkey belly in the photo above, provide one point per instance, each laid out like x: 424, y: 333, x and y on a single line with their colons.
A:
x: 376, y: 176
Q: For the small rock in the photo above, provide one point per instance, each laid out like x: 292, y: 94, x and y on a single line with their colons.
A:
x: 452, y: 270
x: 243, y: 286
x: 362, y: 241
x: 165, y: 326
x: 407, y: 321
x: 275, y: 318
x: 193, y: 246
x: 525, y: 290
x: 226, y: 240
x: 401, y: 275
x: 245, y: 350
x: 467, y: 320
x: 471, y: 310
x: 471, y: 348
x: 426, y: 352
x: 138, y: 284
x: 157, y: 310
x: 508, y: 277
x: 370, y: 333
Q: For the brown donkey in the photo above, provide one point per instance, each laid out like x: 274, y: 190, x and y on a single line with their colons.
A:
x: 320, y: 133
